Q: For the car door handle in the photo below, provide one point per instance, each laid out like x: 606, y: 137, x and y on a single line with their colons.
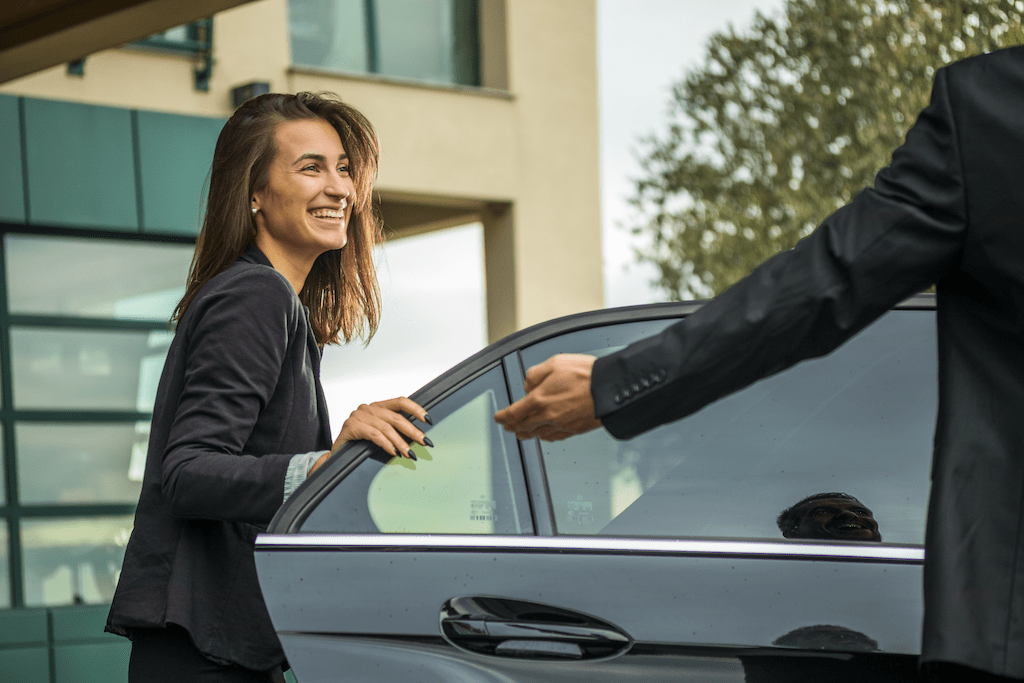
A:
x: 514, y: 628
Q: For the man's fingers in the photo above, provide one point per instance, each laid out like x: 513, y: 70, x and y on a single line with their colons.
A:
x: 518, y: 413
x: 537, y: 374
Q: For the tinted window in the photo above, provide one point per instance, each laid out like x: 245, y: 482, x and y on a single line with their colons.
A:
x: 470, y: 482
x: 427, y: 40
x: 858, y: 422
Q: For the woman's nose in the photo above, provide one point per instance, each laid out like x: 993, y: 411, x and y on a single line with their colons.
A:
x: 339, y: 186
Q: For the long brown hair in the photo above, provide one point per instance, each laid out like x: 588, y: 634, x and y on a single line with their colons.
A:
x: 341, y: 289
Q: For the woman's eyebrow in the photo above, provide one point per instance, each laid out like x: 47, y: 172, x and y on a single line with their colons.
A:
x: 319, y: 157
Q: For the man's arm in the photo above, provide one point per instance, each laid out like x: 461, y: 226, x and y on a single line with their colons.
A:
x: 891, y: 241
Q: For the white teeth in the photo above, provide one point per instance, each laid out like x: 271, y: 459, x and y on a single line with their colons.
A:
x: 328, y: 213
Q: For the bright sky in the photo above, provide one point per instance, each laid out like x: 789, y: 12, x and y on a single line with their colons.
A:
x: 430, y: 322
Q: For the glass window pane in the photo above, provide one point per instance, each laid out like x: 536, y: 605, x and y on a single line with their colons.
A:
x: 330, y: 34
x: 415, y: 39
x: 858, y: 422
x: 97, y: 278
x: 178, y: 34
x: 68, y: 369
x: 3, y: 480
x: 74, y: 560
x: 471, y: 482
x: 5, y: 568
x: 81, y: 463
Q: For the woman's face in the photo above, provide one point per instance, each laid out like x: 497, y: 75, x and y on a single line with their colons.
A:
x: 305, y: 208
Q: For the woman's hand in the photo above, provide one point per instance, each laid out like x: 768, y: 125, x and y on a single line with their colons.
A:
x: 383, y: 423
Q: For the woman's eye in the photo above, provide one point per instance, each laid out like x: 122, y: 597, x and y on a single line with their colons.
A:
x: 311, y: 167
x: 343, y: 170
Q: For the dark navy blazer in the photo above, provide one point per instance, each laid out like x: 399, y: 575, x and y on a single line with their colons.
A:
x: 239, y: 396
x: 948, y: 210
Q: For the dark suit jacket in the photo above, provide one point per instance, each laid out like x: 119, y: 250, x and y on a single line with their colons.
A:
x: 949, y: 209
x: 239, y: 396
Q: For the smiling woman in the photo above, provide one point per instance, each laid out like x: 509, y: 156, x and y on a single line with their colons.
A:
x: 283, y: 266
x: 303, y: 210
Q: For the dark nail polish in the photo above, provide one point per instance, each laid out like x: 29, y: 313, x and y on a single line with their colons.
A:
x: 412, y: 455
x: 426, y: 418
x: 427, y: 441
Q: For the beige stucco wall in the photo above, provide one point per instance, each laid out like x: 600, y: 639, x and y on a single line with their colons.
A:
x: 529, y: 152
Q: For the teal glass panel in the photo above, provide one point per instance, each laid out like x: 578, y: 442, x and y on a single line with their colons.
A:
x: 81, y: 624
x: 12, y: 188
x: 26, y: 665
x: 99, y: 278
x: 415, y: 39
x: 73, y: 560
x: 21, y: 627
x: 81, y: 165
x: 329, y: 34
x: 80, y: 463
x: 57, y: 368
x: 91, y: 662
x: 428, y: 40
x: 175, y: 153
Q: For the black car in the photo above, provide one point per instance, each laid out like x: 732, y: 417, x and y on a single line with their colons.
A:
x: 774, y: 536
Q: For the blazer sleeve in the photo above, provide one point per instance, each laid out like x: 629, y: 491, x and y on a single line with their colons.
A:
x: 891, y: 241
x: 236, y: 347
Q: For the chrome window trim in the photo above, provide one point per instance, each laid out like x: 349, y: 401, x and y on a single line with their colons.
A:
x: 790, y: 550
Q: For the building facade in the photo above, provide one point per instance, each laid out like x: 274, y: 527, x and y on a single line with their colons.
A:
x: 486, y: 112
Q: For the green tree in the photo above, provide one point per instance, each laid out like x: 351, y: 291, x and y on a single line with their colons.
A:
x: 786, y: 122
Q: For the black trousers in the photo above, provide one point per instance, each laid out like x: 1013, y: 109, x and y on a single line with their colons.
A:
x: 167, y: 655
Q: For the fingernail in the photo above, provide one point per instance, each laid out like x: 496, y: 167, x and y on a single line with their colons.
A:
x: 412, y: 455
x: 426, y: 418
x: 428, y: 442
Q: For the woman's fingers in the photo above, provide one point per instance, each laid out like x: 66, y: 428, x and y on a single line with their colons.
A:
x: 388, y: 439
x: 384, y: 423
x: 402, y: 404
x: 397, y: 420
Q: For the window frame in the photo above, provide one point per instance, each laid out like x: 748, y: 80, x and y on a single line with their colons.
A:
x: 507, y: 352
x: 12, y: 511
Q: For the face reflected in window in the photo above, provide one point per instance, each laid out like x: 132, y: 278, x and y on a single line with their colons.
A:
x: 830, y: 516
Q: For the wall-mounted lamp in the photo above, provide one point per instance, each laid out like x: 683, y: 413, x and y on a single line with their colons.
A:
x: 248, y: 91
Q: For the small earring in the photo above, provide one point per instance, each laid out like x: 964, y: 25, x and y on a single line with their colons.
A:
x: 255, y: 211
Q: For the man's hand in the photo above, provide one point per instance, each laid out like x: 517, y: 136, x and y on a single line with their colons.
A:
x: 558, y: 403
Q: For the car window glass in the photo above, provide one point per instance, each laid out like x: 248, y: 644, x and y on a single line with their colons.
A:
x: 470, y: 482
x: 856, y: 425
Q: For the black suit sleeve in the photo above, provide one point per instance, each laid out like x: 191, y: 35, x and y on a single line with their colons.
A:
x: 236, y: 349
x: 891, y: 241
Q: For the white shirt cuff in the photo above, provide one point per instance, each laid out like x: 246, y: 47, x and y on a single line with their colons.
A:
x: 298, y: 470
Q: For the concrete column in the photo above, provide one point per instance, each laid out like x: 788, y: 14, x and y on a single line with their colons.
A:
x: 500, y: 270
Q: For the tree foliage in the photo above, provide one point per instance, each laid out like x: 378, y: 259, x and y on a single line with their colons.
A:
x: 786, y: 122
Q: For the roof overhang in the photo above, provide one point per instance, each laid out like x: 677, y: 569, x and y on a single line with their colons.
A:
x: 38, y: 34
